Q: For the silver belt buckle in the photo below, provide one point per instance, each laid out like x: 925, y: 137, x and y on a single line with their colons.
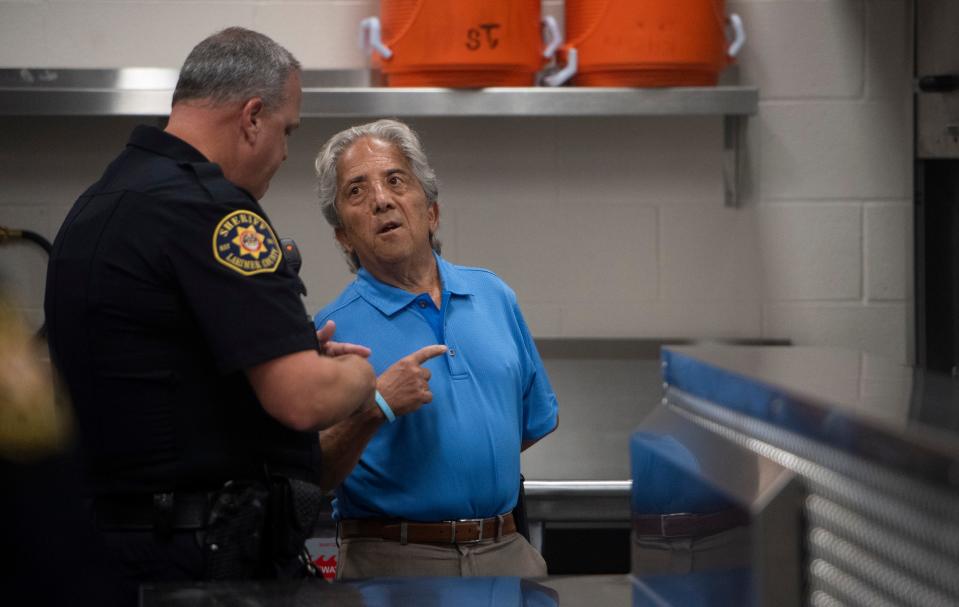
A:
x: 479, y: 536
x: 664, y: 520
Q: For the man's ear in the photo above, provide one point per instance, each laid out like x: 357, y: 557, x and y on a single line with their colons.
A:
x: 433, y: 214
x: 344, y: 240
x: 250, y: 117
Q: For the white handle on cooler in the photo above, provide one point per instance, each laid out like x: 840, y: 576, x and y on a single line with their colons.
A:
x: 572, y: 64
x: 551, y: 36
x: 370, y: 39
x: 737, y: 23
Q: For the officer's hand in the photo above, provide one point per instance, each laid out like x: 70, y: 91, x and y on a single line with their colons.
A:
x: 336, y: 348
x: 405, y: 385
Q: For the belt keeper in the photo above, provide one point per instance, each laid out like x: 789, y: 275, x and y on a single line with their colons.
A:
x: 404, y: 531
x: 499, y: 527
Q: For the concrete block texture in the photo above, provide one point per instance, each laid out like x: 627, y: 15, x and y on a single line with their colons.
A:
x: 889, y: 41
x: 834, y: 150
x: 561, y: 252
x: 510, y: 160
x: 665, y: 319
x: 882, y: 329
x: 888, y: 250
x: 543, y: 319
x: 322, y: 34
x: 709, y: 253
x: 811, y: 251
x: 803, y: 49
x: 134, y: 34
x: 21, y: 25
x: 654, y: 160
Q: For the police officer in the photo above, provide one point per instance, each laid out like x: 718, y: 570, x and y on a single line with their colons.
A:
x: 177, y: 324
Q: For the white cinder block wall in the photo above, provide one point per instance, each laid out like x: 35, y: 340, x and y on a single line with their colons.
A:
x: 605, y: 227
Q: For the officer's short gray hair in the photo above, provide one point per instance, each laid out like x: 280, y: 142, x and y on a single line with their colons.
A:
x: 390, y: 131
x: 234, y: 65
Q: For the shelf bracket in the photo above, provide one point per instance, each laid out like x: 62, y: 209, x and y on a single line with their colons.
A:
x: 733, y: 135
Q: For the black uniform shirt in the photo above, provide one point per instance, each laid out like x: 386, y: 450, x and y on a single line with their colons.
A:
x: 166, y: 281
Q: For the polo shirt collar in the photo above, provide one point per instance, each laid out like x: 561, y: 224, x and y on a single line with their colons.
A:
x: 160, y: 142
x: 389, y: 299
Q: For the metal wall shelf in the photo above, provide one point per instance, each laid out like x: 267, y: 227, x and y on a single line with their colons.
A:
x: 350, y: 93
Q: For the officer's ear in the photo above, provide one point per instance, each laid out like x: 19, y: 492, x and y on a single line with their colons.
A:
x: 250, y: 117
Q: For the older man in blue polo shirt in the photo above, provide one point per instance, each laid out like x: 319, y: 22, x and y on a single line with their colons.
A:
x: 424, y: 490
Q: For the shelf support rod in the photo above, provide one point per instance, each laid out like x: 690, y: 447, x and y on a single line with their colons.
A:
x: 733, y: 135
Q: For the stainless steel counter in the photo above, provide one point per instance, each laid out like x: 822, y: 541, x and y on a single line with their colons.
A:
x: 896, y: 416
x: 846, y: 464
x: 599, y: 591
x: 552, y: 591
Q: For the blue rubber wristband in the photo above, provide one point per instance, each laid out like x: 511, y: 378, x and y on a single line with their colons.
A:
x: 385, y: 407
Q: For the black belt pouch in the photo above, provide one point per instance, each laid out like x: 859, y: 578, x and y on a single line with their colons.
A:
x: 294, y: 507
x: 258, y: 530
x: 233, y: 538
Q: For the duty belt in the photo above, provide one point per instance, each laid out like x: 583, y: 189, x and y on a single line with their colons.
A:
x: 161, y: 512
x: 461, y: 531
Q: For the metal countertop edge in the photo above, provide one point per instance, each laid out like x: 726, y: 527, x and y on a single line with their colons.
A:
x: 536, y: 488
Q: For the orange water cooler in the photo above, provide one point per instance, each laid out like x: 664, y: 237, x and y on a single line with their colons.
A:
x: 462, y: 43
x: 647, y: 43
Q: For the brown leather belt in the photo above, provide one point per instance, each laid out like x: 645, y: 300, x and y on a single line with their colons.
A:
x: 688, y: 524
x: 463, y: 531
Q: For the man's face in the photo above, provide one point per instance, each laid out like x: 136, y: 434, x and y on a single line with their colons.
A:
x: 270, y: 148
x: 382, y: 205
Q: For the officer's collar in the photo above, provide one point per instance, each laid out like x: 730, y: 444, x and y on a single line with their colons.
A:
x: 160, y: 142
x: 389, y: 299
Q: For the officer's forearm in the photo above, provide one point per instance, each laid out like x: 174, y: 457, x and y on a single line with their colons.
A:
x: 343, y: 444
x: 306, y: 391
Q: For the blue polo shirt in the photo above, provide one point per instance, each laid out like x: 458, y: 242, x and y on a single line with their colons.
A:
x: 458, y: 456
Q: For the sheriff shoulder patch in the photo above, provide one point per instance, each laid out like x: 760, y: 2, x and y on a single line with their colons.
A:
x: 244, y: 242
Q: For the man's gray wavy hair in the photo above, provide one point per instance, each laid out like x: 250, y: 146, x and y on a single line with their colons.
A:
x: 390, y: 131
x: 234, y: 65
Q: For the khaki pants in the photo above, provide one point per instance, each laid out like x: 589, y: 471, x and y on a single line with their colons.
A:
x: 667, y: 556
x: 371, y: 557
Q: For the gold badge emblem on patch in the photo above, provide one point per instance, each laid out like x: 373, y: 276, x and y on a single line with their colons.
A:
x: 245, y: 242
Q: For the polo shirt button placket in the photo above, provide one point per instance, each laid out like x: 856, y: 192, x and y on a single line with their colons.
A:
x: 455, y: 361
